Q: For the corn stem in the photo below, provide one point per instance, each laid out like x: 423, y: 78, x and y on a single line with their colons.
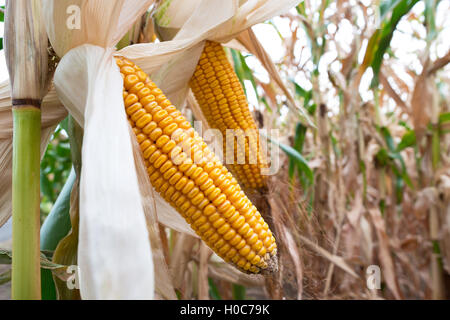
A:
x: 26, y: 282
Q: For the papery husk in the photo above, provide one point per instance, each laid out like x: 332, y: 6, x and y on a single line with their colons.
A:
x: 384, y: 254
x: 193, y: 22
x: 181, y: 255
x: 163, y: 279
x: 66, y: 251
x: 114, y: 253
x: 103, y: 22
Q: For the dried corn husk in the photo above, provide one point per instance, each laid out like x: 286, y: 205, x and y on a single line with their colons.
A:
x: 114, y: 253
x: 193, y: 22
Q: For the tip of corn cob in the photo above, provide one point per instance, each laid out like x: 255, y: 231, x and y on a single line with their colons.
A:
x: 191, y: 178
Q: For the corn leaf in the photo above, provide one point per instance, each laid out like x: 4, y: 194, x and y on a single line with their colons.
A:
x: 6, y: 258
x: 238, y: 292
x: 57, y: 224
x: 297, y: 158
x: 380, y: 40
x: 308, y: 102
x: 444, y: 117
x: 5, y: 277
x: 55, y: 227
x: 213, y: 291
x: 408, y: 140
x: 430, y: 21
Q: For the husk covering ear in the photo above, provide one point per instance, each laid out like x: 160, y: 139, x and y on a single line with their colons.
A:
x: 114, y: 251
x: 114, y: 256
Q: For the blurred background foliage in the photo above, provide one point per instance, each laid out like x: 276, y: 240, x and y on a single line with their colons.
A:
x: 55, y: 168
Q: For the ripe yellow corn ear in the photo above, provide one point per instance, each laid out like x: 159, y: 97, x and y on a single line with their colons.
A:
x: 189, y: 176
x: 222, y: 100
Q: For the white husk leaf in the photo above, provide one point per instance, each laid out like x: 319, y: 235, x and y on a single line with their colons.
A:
x: 215, y: 20
x: 163, y: 281
x: 114, y: 253
x: 103, y: 22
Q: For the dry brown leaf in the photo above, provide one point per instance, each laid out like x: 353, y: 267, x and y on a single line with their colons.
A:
x: 293, y: 250
x: 422, y: 100
x: 338, y: 261
x: 180, y: 257
x: 384, y: 253
x: 386, y: 85
x: 203, y: 285
x: 163, y: 281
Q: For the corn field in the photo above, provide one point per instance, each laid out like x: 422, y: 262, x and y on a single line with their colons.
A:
x: 119, y: 179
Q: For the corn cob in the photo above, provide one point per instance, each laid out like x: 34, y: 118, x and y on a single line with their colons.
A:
x: 191, y: 178
x: 223, y: 102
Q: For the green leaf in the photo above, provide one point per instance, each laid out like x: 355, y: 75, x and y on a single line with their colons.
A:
x: 6, y: 258
x: 308, y: 102
x: 298, y: 159
x: 444, y: 117
x: 243, y: 71
x: 300, y: 134
x: 387, y: 6
x: 5, y: 277
x: 238, y: 292
x: 381, y: 157
x: 388, y: 138
x: 57, y: 224
x: 299, y: 139
x: 381, y: 38
x: 370, y: 50
x: 301, y: 9
x: 55, y: 227
x: 65, y: 124
x: 213, y: 291
x: 238, y: 66
x: 399, y: 189
x: 270, y: 22
x: 430, y: 21
x: 408, y: 140
x: 248, y: 74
